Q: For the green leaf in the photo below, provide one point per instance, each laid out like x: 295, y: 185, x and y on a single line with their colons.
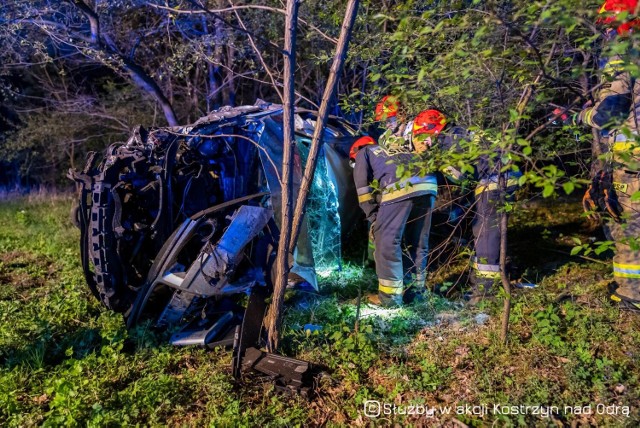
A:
x: 421, y: 74
x: 568, y: 187
x: 575, y: 250
x: 548, y: 191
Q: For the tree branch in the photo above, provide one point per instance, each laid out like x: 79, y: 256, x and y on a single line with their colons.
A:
x: 135, y: 71
x: 257, y: 52
x: 235, y: 8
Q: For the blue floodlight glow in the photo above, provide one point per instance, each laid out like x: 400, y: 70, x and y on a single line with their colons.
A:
x: 323, y: 219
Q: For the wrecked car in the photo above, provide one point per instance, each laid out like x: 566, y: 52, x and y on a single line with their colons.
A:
x: 179, y: 224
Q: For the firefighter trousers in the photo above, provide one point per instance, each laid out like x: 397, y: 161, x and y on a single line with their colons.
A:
x: 405, y: 222
x: 485, y: 268
x: 626, y: 261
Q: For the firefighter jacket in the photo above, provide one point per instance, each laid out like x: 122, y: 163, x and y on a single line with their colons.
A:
x: 486, y: 169
x: 616, y: 113
x: 378, y: 184
x: 618, y: 100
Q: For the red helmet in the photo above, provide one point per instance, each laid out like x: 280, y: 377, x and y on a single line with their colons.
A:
x: 610, y: 10
x: 429, y: 122
x: 360, y: 142
x: 387, y: 108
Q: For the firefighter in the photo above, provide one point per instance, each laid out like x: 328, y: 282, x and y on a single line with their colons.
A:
x: 387, y: 111
x: 615, y: 114
x: 399, y: 208
x: 431, y: 128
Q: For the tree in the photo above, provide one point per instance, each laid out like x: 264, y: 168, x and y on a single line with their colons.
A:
x: 496, y: 68
x: 294, y: 218
x: 184, y: 58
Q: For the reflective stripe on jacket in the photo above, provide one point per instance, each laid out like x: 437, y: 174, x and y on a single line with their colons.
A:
x: 492, y: 183
x: 615, y: 102
x: 374, y: 164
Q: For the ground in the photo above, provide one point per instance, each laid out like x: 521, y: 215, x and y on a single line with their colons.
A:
x: 64, y: 360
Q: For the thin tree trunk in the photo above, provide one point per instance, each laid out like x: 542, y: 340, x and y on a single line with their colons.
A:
x: 596, y: 147
x: 218, y: 61
x: 229, y: 92
x: 274, y: 316
x: 502, y: 184
x: 325, y: 105
x: 506, y: 284
x: 211, y: 82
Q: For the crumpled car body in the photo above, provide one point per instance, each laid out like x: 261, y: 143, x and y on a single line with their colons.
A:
x: 179, y: 224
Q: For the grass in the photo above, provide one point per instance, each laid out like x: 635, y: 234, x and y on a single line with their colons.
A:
x: 65, y: 361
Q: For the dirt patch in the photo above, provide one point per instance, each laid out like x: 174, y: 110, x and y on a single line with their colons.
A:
x: 21, y: 271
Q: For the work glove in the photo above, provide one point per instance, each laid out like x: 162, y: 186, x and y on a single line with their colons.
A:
x: 561, y: 119
x: 601, y: 197
x: 612, y: 205
x: 589, y: 204
x: 371, y: 234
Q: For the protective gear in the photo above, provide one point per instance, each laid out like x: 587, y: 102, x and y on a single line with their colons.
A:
x: 609, y: 15
x: 562, y: 116
x: 559, y: 117
x: 485, y: 265
x: 589, y: 204
x: 601, y: 197
x: 409, y: 221
x: 374, y: 164
x: 626, y: 260
x: 485, y: 270
x: 400, y: 210
x: 429, y: 122
x: 615, y: 102
x: 387, y: 108
x: 358, y: 144
x: 619, y: 98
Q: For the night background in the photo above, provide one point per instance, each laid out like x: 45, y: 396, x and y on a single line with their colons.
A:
x: 78, y: 76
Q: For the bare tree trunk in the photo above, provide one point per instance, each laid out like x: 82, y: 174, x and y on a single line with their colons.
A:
x: 325, y: 105
x: 596, y: 147
x: 274, y: 316
x: 229, y: 92
x: 506, y: 284
x: 139, y: 76
x: 502, y: 185
x: 212, y: 83
x: 218, y: 58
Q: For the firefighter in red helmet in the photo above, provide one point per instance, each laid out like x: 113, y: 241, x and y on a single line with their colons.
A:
x: 615, y: 115
x: 399, y: 208
x: 431, y: 128
x: 610, y: 16
x: 387, y: 108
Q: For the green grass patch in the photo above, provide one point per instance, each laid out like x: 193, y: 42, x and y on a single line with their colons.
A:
x: 66, y: 361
